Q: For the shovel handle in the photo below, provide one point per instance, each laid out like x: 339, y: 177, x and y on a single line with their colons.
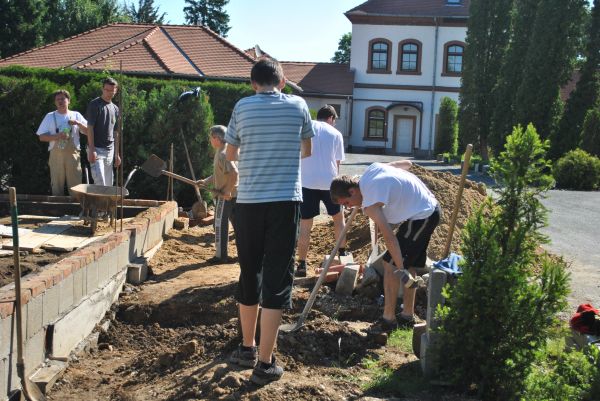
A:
x: 461, y: 186
x: 179, y: 177
x: 315, y: 291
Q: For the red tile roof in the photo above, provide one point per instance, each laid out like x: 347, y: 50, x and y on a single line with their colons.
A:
x: 411, y: 8
x: 569, y: 87
x: 320, y: 78
x: 143, y: 48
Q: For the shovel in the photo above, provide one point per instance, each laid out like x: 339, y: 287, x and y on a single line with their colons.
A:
x: 291, y: 327
x: 155, y: 167
x: 30, y: 390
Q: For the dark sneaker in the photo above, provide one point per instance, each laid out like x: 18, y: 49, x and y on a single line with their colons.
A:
x: 264, y: 373
x: 246, y: 357
x: 383, y: 326
x: 301, y: 269
x: 407, y: 321
x: 342, y: 252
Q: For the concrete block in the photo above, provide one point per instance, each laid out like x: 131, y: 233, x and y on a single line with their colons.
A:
x: 335, y: 262
x: 347, y: 281
x: 346, y: 259
x: 437, y: 280
x: 122, y: 258
x: 72, y: 328
x: 65, y: 299
x: 137, y: 273
x: 79, y: 285
x: 181, y: 223
x: 423, y: 352
x: 152, y: 251
x: 35, y: 351
x: 104, y: 266
x: 418, y: 330
x: 51, y: 304
x: 47, y: 376
x: 91, y: 277
x: 3, y: 380
x: 35, y: 315
x: 429, y: 359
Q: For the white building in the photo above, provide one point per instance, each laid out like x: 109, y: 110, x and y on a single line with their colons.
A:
x: 406, y: 56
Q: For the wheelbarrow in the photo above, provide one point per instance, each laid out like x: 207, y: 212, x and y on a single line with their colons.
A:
x: 97, y: 199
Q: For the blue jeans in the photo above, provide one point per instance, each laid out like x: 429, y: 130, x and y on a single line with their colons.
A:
x: 102, y: 168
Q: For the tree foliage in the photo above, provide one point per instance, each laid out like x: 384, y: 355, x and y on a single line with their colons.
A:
x: 487, y: 37
x: 505, y: 303
x: 145, y: 13
x: 549, y: 63
x: 21, y: 25
x: 511, y: 73
x: 591, y: 132
x: 586, y: 94
x: 577, y: 170
x: 210, y: 13
x: 342, y: 54
x: 447, y: 136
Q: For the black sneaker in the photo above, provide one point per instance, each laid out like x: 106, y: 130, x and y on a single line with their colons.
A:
x: 264, y: 373
x: 342, y: 252
x: 407, y: 321
x: 381, y: 326
x: 301, y: 269
x: 244, y: 356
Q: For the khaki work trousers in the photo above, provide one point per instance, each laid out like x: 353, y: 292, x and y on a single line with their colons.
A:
x: 64, y: 166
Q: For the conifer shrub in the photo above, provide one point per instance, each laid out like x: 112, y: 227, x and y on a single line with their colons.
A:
x: 591, y: 132
x: 577, y: 170
x: 504, y: 304
x: 446, y: 139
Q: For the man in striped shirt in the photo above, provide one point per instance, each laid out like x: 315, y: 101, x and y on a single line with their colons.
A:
x: 267, y: 135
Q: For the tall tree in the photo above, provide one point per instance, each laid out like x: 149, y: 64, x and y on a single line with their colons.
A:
x: 586, y: 94
x: 70, y: 17
x: 511, y: 73
x: 208, y: 12
x: 21, y: 25
x: 145, y: 13
x: 549, y: 63
x: 342, y: 54
x: 487, y: 38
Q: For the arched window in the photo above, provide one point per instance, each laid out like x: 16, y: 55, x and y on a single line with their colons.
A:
x: 379, y: 56
x: 453, y: 58
x: 409, y: 57
x: 375, y: 123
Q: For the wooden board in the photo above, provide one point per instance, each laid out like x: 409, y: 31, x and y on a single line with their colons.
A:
x: 6, y: 231
x: 40, y: 235
x: 67, y: 243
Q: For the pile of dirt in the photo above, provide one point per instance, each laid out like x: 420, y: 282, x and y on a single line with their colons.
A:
x: 443, y: 185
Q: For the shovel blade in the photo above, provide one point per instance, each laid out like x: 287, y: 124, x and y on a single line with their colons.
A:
x: 154, y: 166
x: 290, y: 327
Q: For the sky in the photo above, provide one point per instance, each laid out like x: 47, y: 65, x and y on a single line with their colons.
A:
x: 289, y: 30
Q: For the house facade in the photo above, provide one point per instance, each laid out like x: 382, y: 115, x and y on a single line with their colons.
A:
x: 406, y: 56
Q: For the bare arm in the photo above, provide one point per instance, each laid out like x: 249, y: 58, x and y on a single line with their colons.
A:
x: 231, y: 152
x: 403, y: 164
x: 232, y: 179
x: 375, y: 212
x: 51, y: 137
x: 337, y: 162
x: 306, y: 147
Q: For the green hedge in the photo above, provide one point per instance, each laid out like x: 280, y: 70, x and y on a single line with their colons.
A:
x: 577, y: 170
x: 150, y: 122
x: 446, y: 139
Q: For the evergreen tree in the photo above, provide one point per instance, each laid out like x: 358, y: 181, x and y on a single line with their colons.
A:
x: 511, y: 74
x: 21, y: 25
x: 342, y: 54
x: 549, y: 63
x: 210, y: 13
x: 487, y: 37
x: 70, y: 17
x: 447, y: 136
x: 591, y: 132
x: 585, y: 95
x: 145, y: 13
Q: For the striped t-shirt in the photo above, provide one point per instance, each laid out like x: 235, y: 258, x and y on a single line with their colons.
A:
x: 268, y: 128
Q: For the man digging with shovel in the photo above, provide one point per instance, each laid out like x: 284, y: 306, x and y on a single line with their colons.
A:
x: 389, y: 194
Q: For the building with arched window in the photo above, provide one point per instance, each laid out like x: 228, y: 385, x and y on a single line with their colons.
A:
x: 406, y: 56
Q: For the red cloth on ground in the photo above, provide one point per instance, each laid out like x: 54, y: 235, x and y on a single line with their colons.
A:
x: 585, y: 320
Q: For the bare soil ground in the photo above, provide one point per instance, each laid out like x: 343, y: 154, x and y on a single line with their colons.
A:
x: 169, y: 339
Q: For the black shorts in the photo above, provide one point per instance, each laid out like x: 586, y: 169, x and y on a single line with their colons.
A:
x: 413, y: 237
x: 309, y: 207
x: 265, y: 235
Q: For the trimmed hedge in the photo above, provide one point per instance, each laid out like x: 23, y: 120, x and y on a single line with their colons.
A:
x: 150, y: 124
x: 446, y: 139
x: 577, y: 170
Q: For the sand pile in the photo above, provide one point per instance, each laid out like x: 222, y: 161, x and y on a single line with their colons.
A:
x: 443, y: 185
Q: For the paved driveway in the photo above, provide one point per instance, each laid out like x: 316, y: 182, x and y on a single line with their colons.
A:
x: 573, y: 226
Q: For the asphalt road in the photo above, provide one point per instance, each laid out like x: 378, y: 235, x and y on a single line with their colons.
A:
x: 573, y: 226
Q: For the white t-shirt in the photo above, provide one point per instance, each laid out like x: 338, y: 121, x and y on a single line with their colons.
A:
x: 320, y: 168
x: 48, y: 126
x: 403, y: 195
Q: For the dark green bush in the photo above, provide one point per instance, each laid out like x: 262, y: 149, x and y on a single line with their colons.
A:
x: 151, y: 123
x: 591, y: 132
x: 446, y: 139
x: 577, y: 170
x: 504, y: 304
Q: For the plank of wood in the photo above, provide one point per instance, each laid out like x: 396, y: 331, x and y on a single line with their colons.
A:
x: 6, y: 231
x: 40, y: 235
x: 65, y: 242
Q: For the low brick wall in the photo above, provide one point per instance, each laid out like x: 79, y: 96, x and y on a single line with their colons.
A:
x: 63, y: 301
